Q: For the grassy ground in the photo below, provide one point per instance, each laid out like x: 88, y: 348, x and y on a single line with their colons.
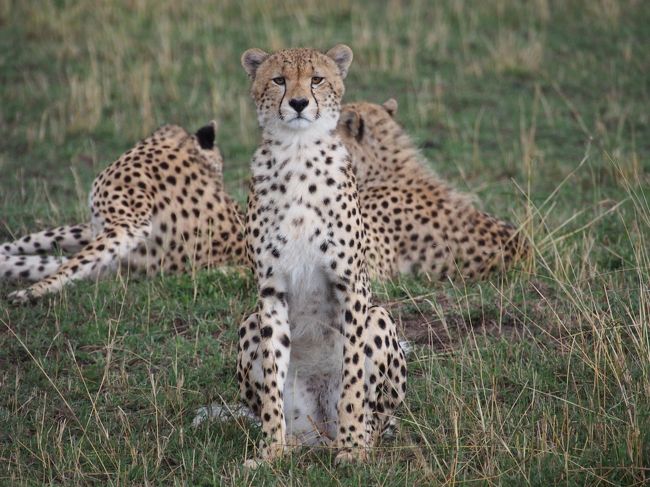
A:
x: 538, y: 107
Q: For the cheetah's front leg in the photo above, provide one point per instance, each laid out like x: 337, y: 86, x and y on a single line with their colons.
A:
x: 352, y: 406
x: 276, y: 348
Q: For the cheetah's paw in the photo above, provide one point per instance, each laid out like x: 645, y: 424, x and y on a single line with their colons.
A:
x: 267, y: 454
x: 254, y: 463
x: 351, y: 456
x: 21, y: 297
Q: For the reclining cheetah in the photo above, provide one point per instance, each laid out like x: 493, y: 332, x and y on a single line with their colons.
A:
x: 415, y: 221
x: 160, y: 206
x: 316, y: 362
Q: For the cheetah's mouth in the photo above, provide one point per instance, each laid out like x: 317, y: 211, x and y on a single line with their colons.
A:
x: 299, y: 122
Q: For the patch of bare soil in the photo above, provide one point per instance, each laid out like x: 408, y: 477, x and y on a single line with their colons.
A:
x: 449, y: 332
x: 445, y: 331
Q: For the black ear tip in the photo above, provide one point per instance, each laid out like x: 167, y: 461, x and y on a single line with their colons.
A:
x: 206, y: 136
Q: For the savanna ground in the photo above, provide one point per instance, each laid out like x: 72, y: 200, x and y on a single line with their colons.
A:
x: 540, y: 108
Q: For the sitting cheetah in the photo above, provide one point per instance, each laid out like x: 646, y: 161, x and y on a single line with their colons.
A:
x: 316, y: 362
x: 160, y: 206
x: 415, y: 221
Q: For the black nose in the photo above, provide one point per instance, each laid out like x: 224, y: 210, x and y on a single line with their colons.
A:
x: 298, y: 104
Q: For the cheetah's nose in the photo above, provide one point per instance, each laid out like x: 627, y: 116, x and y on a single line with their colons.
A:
x: 298, y: 104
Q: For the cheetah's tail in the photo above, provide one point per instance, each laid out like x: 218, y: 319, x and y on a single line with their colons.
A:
x: 28, y: 267
x: 69, y: 238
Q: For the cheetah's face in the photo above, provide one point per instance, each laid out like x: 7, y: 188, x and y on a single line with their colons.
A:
x: 296, y: 89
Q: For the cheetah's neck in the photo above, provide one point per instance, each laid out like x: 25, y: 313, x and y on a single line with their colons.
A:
x: 293, y: 137
x: 308, y: 153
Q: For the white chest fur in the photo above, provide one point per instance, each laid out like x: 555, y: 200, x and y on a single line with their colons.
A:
x: 298, y: 186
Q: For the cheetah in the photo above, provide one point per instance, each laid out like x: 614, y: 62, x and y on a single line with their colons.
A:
x: 160, y: 207
x: 416, y: 222
x: 316, y: 362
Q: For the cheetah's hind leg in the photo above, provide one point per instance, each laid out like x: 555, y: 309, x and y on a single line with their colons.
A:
x: 103, y: 254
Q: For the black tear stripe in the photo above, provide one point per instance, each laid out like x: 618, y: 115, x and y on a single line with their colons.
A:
x: 362, y: 128
x: 311, y: 89
x: 284, y: 92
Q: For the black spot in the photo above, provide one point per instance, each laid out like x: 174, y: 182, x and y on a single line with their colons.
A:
x: 267, y: 291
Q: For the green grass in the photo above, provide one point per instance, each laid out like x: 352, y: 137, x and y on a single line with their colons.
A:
x: 540, y: 108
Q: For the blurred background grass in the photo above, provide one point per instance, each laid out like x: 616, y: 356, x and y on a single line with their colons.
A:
x: 538, y: 107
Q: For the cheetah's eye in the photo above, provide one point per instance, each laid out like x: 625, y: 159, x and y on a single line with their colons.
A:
x: 316, y: 80
x: 279, y: 81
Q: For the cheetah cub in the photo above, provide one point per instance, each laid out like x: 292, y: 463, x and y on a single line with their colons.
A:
x: 160, y: 206
x: 316, y: 362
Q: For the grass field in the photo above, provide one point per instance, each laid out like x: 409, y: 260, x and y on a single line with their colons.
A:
x: 540, y: 108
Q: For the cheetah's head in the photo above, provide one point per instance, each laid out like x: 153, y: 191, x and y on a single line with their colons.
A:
x: 200, y: 146
x: 169, y: 140
x: 372, y: 136
x: 297, y: 89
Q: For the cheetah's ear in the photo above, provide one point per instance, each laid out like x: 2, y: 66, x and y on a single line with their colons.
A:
x: 342, y: 56
x: 390, y: 106
x: 206, y: 135
x: 353, y: 124
x: 252, y: 59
